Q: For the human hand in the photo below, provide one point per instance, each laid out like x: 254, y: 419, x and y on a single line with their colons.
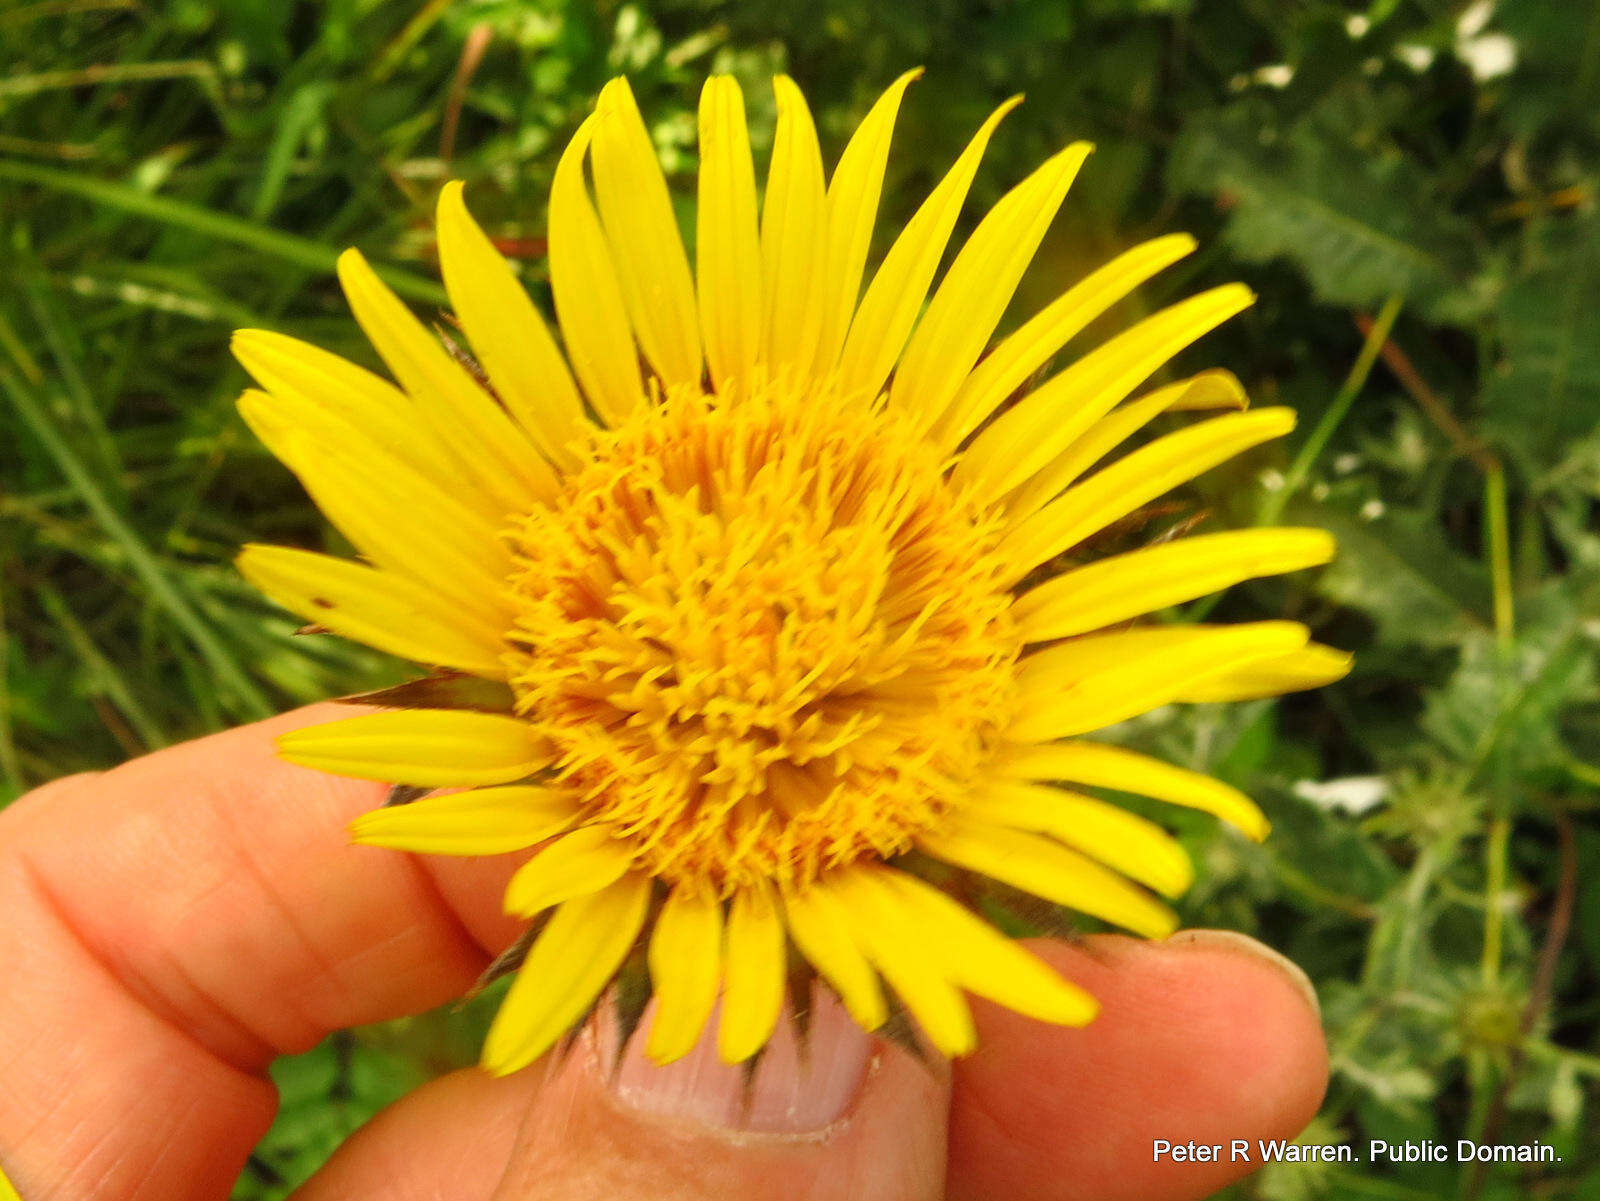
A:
x: 173, y: 925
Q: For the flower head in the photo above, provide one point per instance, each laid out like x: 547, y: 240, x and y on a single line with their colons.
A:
x: 782, y: 599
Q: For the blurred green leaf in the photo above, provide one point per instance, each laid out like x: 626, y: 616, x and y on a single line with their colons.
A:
x: 1543, y: 390
x: 1361, y: 221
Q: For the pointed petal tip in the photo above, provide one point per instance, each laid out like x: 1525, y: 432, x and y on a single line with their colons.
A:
x: 1004, y: 108
x: 617, y: 92
x: 1235, y: 293
x: 498, y: 1062
x: 1178, y: 882
x: 1091, y: 1010
x: 1342, y: 662
x: 663, y: 1056
x: 353, y: 272
x: 296, y: 742
x: 733, y: 1055
x: 452, y: 200
x: 870, y: 1013
x: 1281, y: 418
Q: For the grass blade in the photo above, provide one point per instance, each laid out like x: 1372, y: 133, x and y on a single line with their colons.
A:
x: 304, y: 252
x: 251, y: 700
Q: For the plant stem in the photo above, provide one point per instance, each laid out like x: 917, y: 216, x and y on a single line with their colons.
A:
x: 1495, y: 849
x: 1495, y: 519
x: 1295, y: 478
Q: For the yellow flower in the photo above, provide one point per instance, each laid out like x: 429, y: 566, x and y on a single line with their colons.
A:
x: 783, y: 587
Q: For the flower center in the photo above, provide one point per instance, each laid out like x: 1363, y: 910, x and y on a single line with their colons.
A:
x: 766, y: 637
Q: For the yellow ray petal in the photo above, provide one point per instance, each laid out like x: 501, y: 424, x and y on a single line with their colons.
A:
x: 851, y: 211
x: 1123, y: 841
x: 287, y: 419
x: 393, y: 515
x: 894, y: 298
x: 1022, y: 353
x: 792, y: 230
x: 583, y: 282
x: 298, y: 371
x: 383, y: 610
x: 574, y: 865
x: 279, y: 362
x: 753, y: 973
x: 440, y: 748
x: 1142, y: 581
x: 1047, y: 869
x: 399, y: 437
x: 647, y: 250
x: 988, y: 963
x: 1102, y: 766
x: 1310, y: 667
x: 1092, y: 654
x: 728, y: 247
x: 507, y: 333
x: 570, y: 962
x: 480, y: 821
x: 1098, y: 680
x: 685, y: 969
x: 912, y: 964
x: 820, y: 928
x: 1213, y: 389
x: 1025, y: 438
x: 1134, y: 480
x: 449, y: 401
x: 284, y: 416
x: 974, y: 293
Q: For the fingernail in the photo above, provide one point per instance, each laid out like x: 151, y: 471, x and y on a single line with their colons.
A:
x: 797, y: 1088
x: 1242, y: 944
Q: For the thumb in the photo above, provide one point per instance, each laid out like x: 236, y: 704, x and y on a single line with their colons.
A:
x: 837, y: 1114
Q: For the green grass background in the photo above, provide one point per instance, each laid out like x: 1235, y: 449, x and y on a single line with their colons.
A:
x: 172, y: 170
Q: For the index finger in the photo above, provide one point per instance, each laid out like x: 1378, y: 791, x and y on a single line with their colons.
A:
x: 173, y: 925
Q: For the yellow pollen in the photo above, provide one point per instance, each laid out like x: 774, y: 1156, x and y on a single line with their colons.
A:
x: 766, y: 636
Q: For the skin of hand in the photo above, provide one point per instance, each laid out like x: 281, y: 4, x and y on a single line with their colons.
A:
x: 174, y: 924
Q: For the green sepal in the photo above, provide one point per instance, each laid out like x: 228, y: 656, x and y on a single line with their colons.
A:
x: 444, y: 690
x: 901, y: 1029
x: 747, y: 1071
x: 802, y: 977
x: 630, y: 994
x: 510, y: 959
x: 404, y: 794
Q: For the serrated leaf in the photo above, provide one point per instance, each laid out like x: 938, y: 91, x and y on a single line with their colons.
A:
x: 1357, y: 222
x: 1511, y: 704
x: 1544, y: 391
x: 1401, y: 573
